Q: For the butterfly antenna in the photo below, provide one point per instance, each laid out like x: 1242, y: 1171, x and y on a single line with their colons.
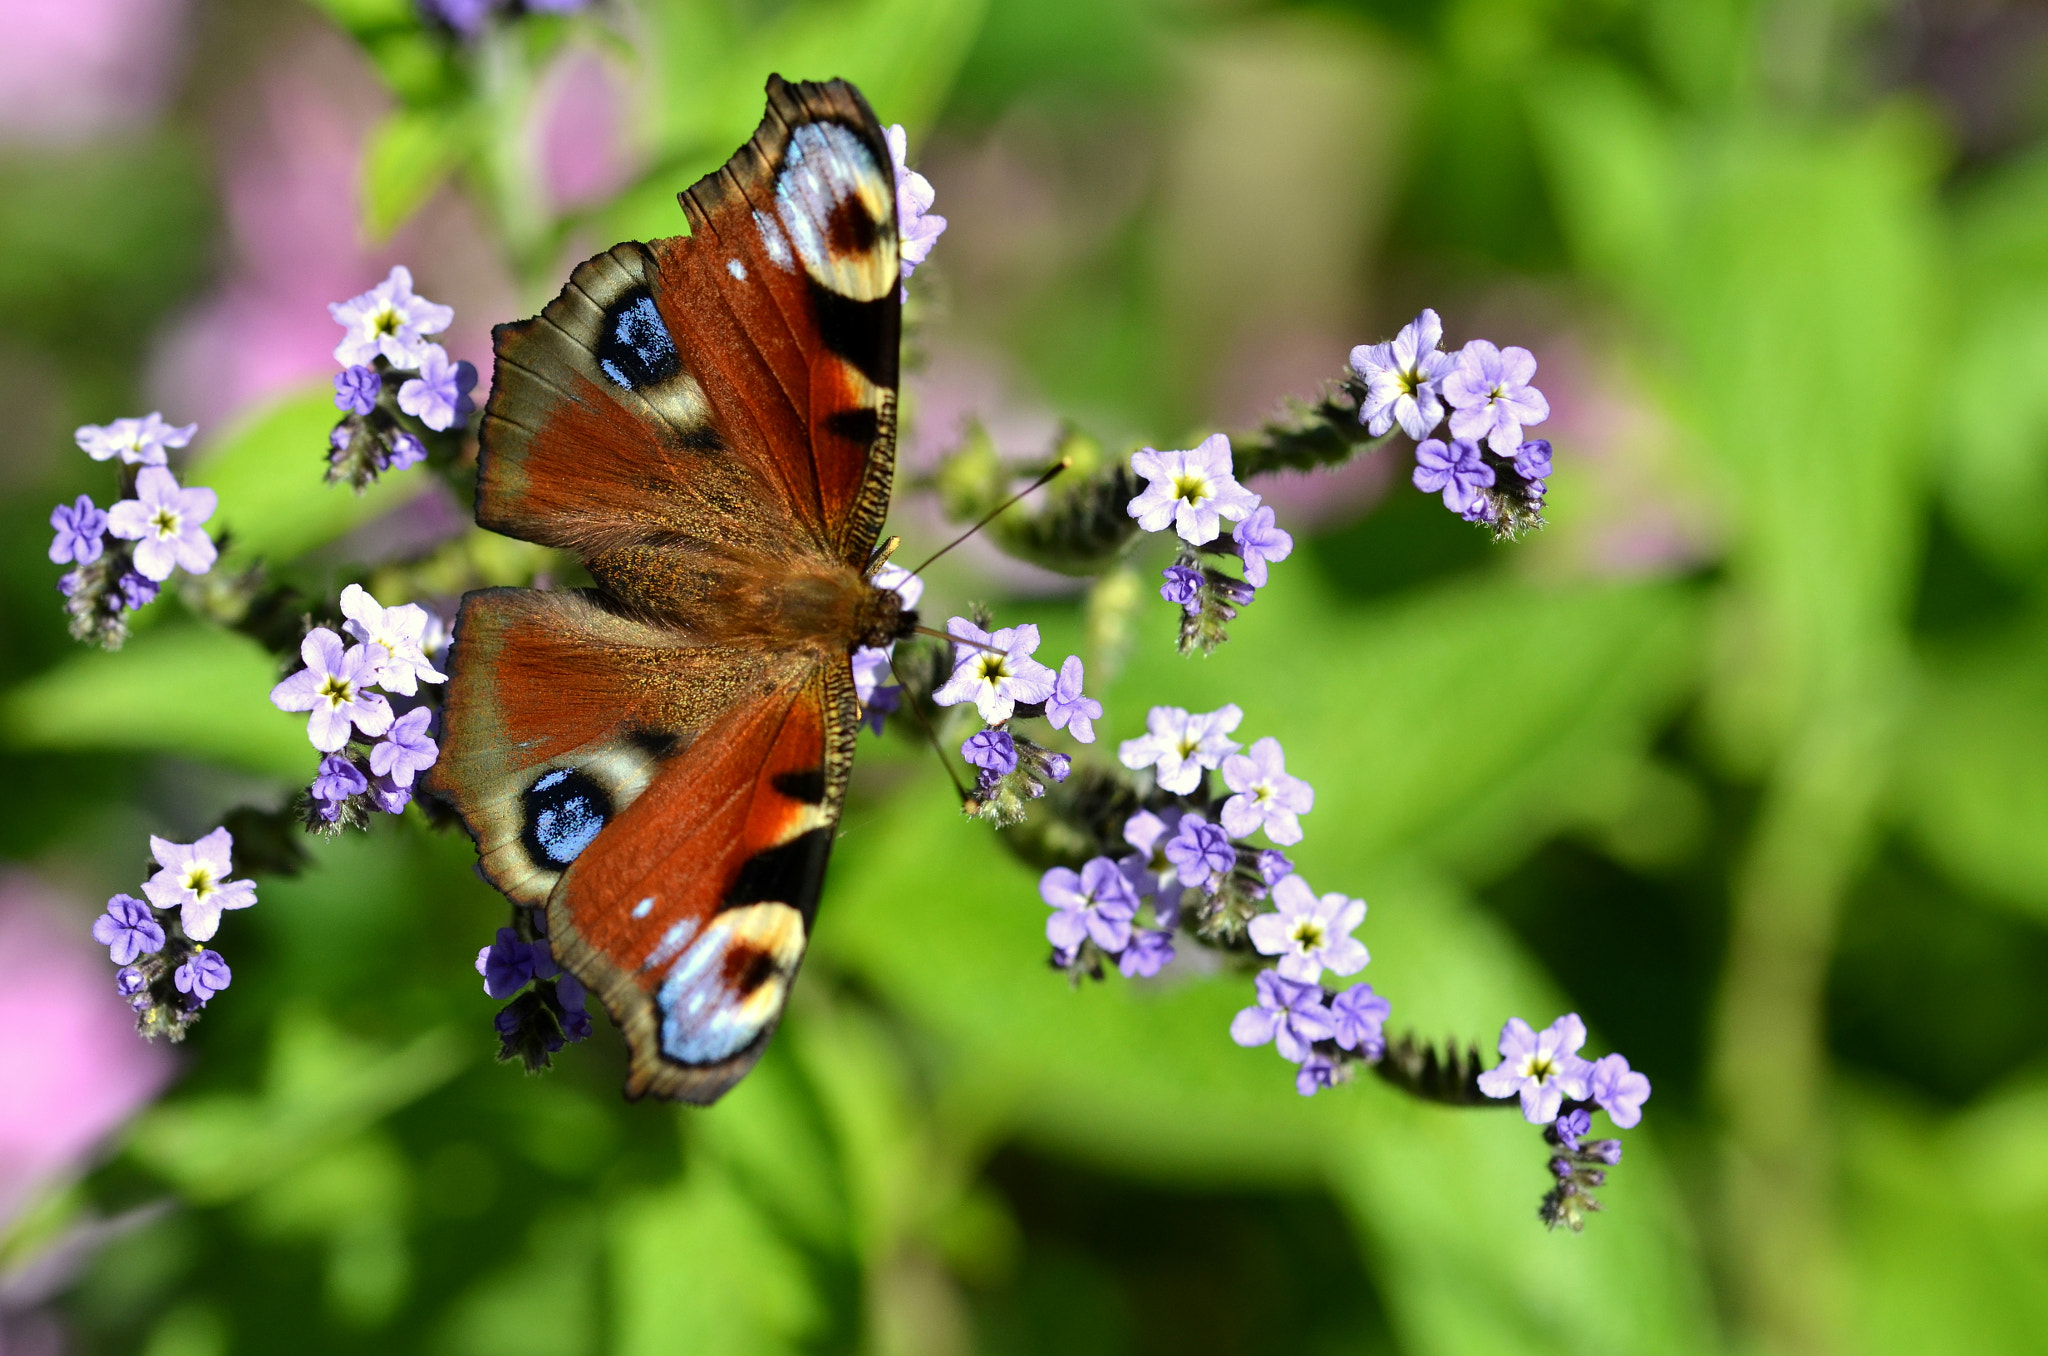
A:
x: 929, y: 732
x: 949, y: 637
x: 1062, y: 464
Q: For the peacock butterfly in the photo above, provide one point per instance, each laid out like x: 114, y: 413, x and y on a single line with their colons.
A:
x: 709, y: 423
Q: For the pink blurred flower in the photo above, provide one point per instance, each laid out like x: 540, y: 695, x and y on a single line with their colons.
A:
x: 72, y: 1068
x: 580, y: 131
x: 73, y: 69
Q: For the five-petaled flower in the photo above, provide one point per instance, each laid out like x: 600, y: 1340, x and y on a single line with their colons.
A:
x: 194, y: 880
x: 992, y: 751
x: 1148, y: 869
x: 1619, y: 1090
x: 1290, y: 1014
x: 164, y: 521
x: 1150, y: 951
x: 1490, y: 395
x: 439, y: 395
x: 1361, y: 1015
x: 509, y: 964
x: 1266, y: 796
x: 1402, y: 379
x: 388, y: 321
x: 1457, y: 469
x: 995, y: 672
x: 1310, y: 933
x: 917, y: 229
x: 203, y: 975
x: 1201, y: 853
x: 406, y: 750
x: 139, y: 442
x: 128, y: 929
x: 1194, y: 490
x: 1542, y: 1066
x: 335, y: 686
x: 81, y: 532
x: 397, y: 639
x: 1095, y: 902
x: 1260, y: 542
x: 1178, y: 746
x: 1068, y: 708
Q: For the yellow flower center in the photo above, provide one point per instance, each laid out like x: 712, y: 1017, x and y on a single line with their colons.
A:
x: 200, y: 881
x: 337, y: 691
x: 1193, y: 488
x: 1539, y: 1067
x: 1307, y: 933
x: 165, y: 522
x: 385, y: 321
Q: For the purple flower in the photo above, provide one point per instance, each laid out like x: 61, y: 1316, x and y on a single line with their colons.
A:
x: 81, y: 532
x: 1259, y: 542
x: 1150, y: 951
x: 1315, y: 1074
x: 1491, y: 397
x: 509, y: 964
x: 137, y: 592
x: 1201, y: 853
x: 138, y: 442
x: 917, y: 230
x: 1178, y: 746
x: 1619, y: 1090
x: 1097, y: 902
x: 996, y: 672
x: 439, y: 395
x: 1056, y: 766
x: 1361, y: 1015
x: 405, y: 450
x: 1148, y: 870
x: 1184, y: 586
x: 388, y: 320
x: 203, y: 975
x: 1067, y: 708
x: 129, y: 981
x: 335, y: 687
x: 163, y: 521
x: 1193, y: 490
x: 1266, y: 796
x: 1274, y: 865
x: 128, y: 929
x: 337, y: 779
x: 1532, y: 460
x: 1288, y: 1013
x: 1543, y: 1067
x: 356, y: 389
x: 387, y: 796
x: 1310, y: 933
x: 1402, y: 379
x: 1480, y: 510
x: 406, y: 750
x: 1456, y: 469
x: 1569, y: 1128
x: 575, y: 1020
x: 193, y: 879
x: 994, y: 750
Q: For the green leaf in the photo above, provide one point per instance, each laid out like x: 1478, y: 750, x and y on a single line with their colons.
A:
x: 406, y: 158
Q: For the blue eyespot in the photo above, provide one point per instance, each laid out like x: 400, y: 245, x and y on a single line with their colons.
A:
x: 634, y: 348
x: 564, y: 811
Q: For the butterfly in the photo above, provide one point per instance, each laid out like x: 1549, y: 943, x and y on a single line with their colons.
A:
x: 709, y: 423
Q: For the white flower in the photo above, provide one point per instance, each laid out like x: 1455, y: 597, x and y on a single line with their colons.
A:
x: 165, y: 523
x: 397, y: 637
x: 139, y: 442
x: 1178, y: 746
x: 1403, y: 379
x: 1193, y: 490
x: 337, y: 687
x: 996, y: 672
x: 1309, y: 934
x: 1542, y: 1066
x: 1266, y: 796
x: 194, y: 880
x: 388, y: 320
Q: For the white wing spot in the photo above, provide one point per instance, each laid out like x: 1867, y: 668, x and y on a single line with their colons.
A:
x: 737, y: 269
x: 644, y: 907
x: 772, y: 241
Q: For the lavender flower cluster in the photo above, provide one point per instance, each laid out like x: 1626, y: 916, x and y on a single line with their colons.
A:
x: 394, y: 383
x: 167, y: 974
x: 123, y: 554
x: 372, y: 755
x: 1558, y: 1090
x: 1195, y: 491
x: 1487, y: 473
x: 540, y: 1019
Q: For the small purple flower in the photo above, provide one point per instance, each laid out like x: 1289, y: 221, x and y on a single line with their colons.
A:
x: 1201, y: 853
x: 138, y: 442
x: 993, y: 750
x: 1532, y: 460
x: 1619, y: 1090
x: 1457, y: 469
x: 1543, y: 1067
x: 1067, y: 708
x: 882, y: 703
x: 337, y: 780
x: 1096, y: 902
x: 1274, y: 865
x: 575, y: 1020
x: 335, y: 686
x: 388, y: 319
x: 1267, y: 798
x: 1183, y: 586
x: 404, y: 450
x: 509, y: 964
x: 917, y: 229
x: 1315, y: 1074
x: 1150, y: 951
x: 1480, y: 510
x: 406, y: 751
x: 996, y: 672
x: 1361, y: 1016
x: 1056, y: 766
x: 1402, y: 379
x: 1194, y: 490
x: 356, y: 389
x: 1288, y: 1013
x: 1179, y: 746
x: 1259, y: 541
x: 1148, y: 870
x: 203, y: 975
x: 164, y: 521
x: 439, y: 395
x: 193, y: 879
x: 1570, y: 1127
x: 387, y: 797
x: 1491, y: 397
x: 137, y: 592
x: 81, y: 532
x: 1310, y: 933
x: 129, y: 981
x: 128, y: 929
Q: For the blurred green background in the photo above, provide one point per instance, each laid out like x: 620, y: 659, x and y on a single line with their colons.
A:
x: 1745, y: 758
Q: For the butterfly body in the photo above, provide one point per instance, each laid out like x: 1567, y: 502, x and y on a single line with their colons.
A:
x: 709, y: 424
